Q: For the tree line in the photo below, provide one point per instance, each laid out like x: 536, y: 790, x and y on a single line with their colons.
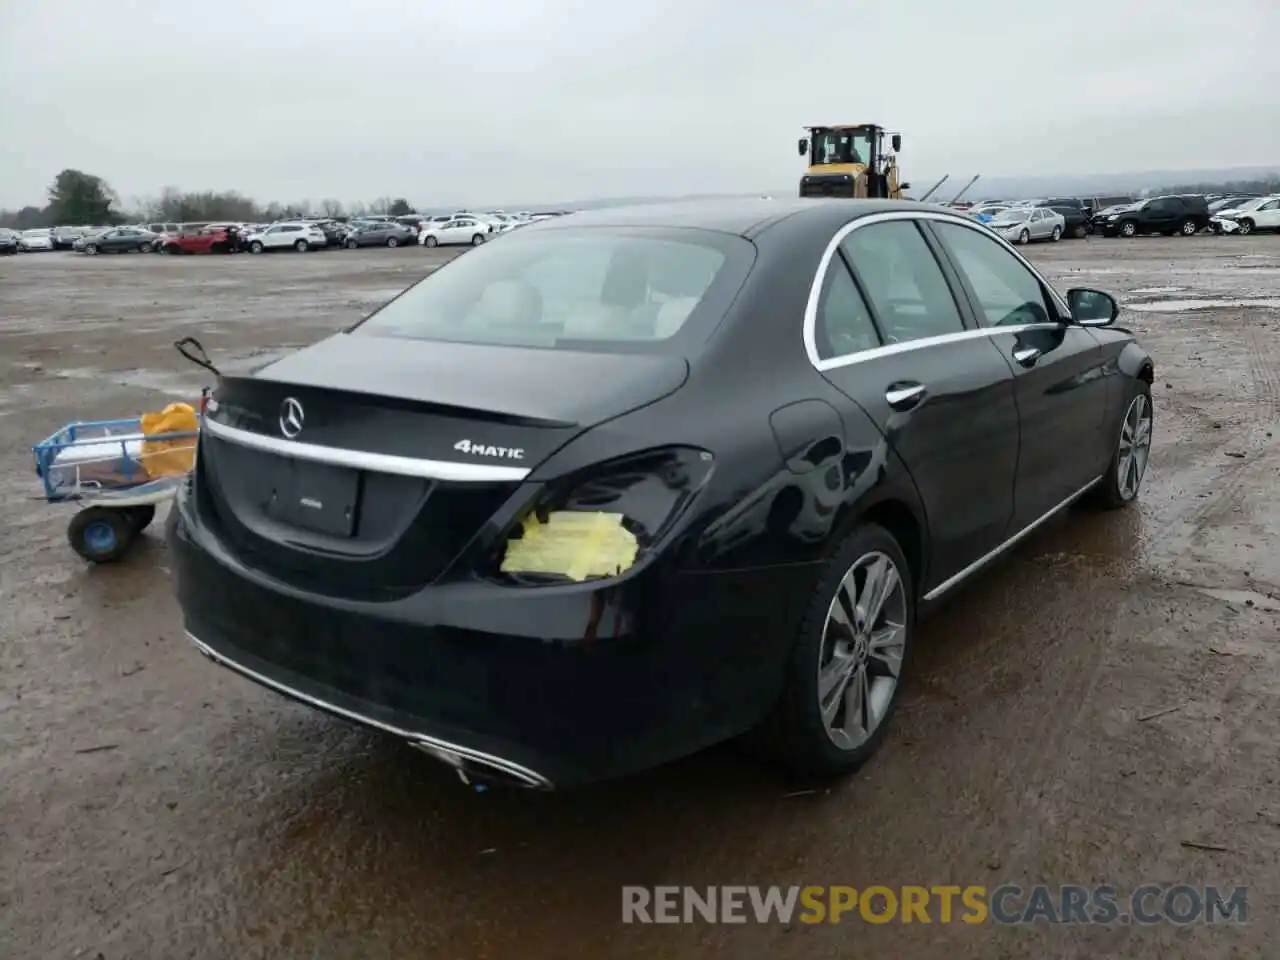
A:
x: 1260, y: 185
x: 76, y: 198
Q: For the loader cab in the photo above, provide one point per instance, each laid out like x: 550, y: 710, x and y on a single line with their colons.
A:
x: 851, y: 160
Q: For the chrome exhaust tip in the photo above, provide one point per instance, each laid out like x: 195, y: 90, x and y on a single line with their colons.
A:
x: 477, y: 771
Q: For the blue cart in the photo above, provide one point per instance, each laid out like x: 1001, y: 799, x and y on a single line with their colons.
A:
x: 99, y: 464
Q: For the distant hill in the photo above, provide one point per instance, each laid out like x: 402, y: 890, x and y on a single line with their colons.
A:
x: 1070, y: 185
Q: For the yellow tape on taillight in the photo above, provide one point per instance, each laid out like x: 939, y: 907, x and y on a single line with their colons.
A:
x: 577, y: 545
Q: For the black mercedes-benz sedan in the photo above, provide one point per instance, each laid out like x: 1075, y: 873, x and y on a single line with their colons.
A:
x: 633, y: 482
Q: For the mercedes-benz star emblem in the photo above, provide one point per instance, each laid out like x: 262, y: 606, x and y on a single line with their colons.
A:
x: 291, y: 418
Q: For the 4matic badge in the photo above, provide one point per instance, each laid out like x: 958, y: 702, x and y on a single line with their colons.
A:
x: 484, y: 450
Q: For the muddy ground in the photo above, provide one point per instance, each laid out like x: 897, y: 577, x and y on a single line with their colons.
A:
x: 154, y: 805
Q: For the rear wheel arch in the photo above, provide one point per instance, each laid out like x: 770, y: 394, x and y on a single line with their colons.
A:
x: 901, y: 523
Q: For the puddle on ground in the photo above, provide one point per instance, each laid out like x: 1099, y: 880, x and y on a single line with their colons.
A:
x: 1178, y: 306
x: 170, y: 383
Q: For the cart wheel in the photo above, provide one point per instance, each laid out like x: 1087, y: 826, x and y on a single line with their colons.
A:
x: 142, y: 516
x: 100, y: 534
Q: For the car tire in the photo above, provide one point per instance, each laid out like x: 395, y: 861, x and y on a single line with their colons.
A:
x: 430, y: 242
x: 173, y: 249
x: 91, y: 249
x: 1056, y: 235
x: 302, y: 246
x: 100, y: 534
x: 1188, y: 228
x: 797, y: 733
x: 1119, y: 486
x: 477, y: 239
x: 1128, y: 229
x: 1246, y: 227
x: 256, y: 247
x: 1080, y: 232
x: 351, y: 245
x: 392, y: 242
x: 1024, y: 238
x: 144, y: 246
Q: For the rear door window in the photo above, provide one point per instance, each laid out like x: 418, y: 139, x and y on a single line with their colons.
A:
x: 907, y: 288
x: 844, y: 325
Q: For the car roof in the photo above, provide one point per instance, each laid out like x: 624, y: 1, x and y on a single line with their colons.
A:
x: 747, y: 217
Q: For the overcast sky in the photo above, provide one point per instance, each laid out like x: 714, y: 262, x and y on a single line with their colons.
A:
x: 491, y: 101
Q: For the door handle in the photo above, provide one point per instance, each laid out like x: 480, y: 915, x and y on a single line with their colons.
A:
x: 904, y: 396
x: 1027, y: 356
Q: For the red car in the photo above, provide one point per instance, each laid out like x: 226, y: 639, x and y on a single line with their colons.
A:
x: 210, y: 239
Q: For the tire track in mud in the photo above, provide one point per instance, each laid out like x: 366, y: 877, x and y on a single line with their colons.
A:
x: 1227, y: 487
x: 1264, y: 364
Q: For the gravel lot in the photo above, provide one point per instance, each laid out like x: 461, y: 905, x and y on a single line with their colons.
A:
x: 152, y: 805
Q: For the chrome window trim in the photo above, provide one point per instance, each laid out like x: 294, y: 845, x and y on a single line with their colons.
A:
x: 815, y: 293
x: 365, y: 460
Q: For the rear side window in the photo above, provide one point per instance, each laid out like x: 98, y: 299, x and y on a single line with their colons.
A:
x: 1008, y: 294
x: 625, y: 289
x: 844, y: 324
x: 902, y: 278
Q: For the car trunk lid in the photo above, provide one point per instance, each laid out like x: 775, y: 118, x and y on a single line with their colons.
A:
x: 363, y: 466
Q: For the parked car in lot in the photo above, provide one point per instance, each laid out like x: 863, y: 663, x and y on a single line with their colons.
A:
x: 216, y: 238
x: 383, y: 233
x: 1230, y: 202
x: 120, y: 240
x: 36, y: 240
x: 64, y: 238
x: 1075, y: 219
x: 1024, y: 224
x: 335, y: 233
x: 466, y: 229
x: 10, y: 241
x: 1261, y: 213
x: 1187, y: 215
x: 287, y: 236
x: 636, y: 481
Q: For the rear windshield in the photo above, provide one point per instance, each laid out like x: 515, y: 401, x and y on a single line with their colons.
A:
x: 601, y: 288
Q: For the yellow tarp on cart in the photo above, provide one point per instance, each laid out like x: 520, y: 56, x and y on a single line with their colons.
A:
x: 173, y: 457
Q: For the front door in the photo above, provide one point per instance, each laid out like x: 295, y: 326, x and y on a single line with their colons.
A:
x: 939, y: 393
x: 1267, y: 216
x: 1057, y: 366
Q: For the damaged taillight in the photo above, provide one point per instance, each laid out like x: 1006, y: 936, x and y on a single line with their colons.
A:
x: 603, y: 521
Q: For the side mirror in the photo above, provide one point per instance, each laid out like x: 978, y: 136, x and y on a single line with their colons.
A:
x: 897, y: 142
x: 904, y: 186
x: 1092, y: 308
x: 803, y: 144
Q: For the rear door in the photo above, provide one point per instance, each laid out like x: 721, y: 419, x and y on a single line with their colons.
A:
x: 1163, y: 214
x: 940, y: 393
x: 1058, y: 368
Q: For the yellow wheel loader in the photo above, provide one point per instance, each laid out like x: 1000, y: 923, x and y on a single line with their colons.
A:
x: 851, y: 160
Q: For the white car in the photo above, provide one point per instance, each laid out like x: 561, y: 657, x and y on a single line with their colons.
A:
x: 285, y: 236
x: 468, y: 229
x: 38, y: 239
x: 1261, y: 213
x: 1024, y: 224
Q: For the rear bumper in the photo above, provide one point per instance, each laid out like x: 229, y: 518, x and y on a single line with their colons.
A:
x: 535, y: 686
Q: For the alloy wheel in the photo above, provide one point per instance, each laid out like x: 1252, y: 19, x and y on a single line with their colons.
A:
x: 1135, y: 447
x: 863, y: 644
